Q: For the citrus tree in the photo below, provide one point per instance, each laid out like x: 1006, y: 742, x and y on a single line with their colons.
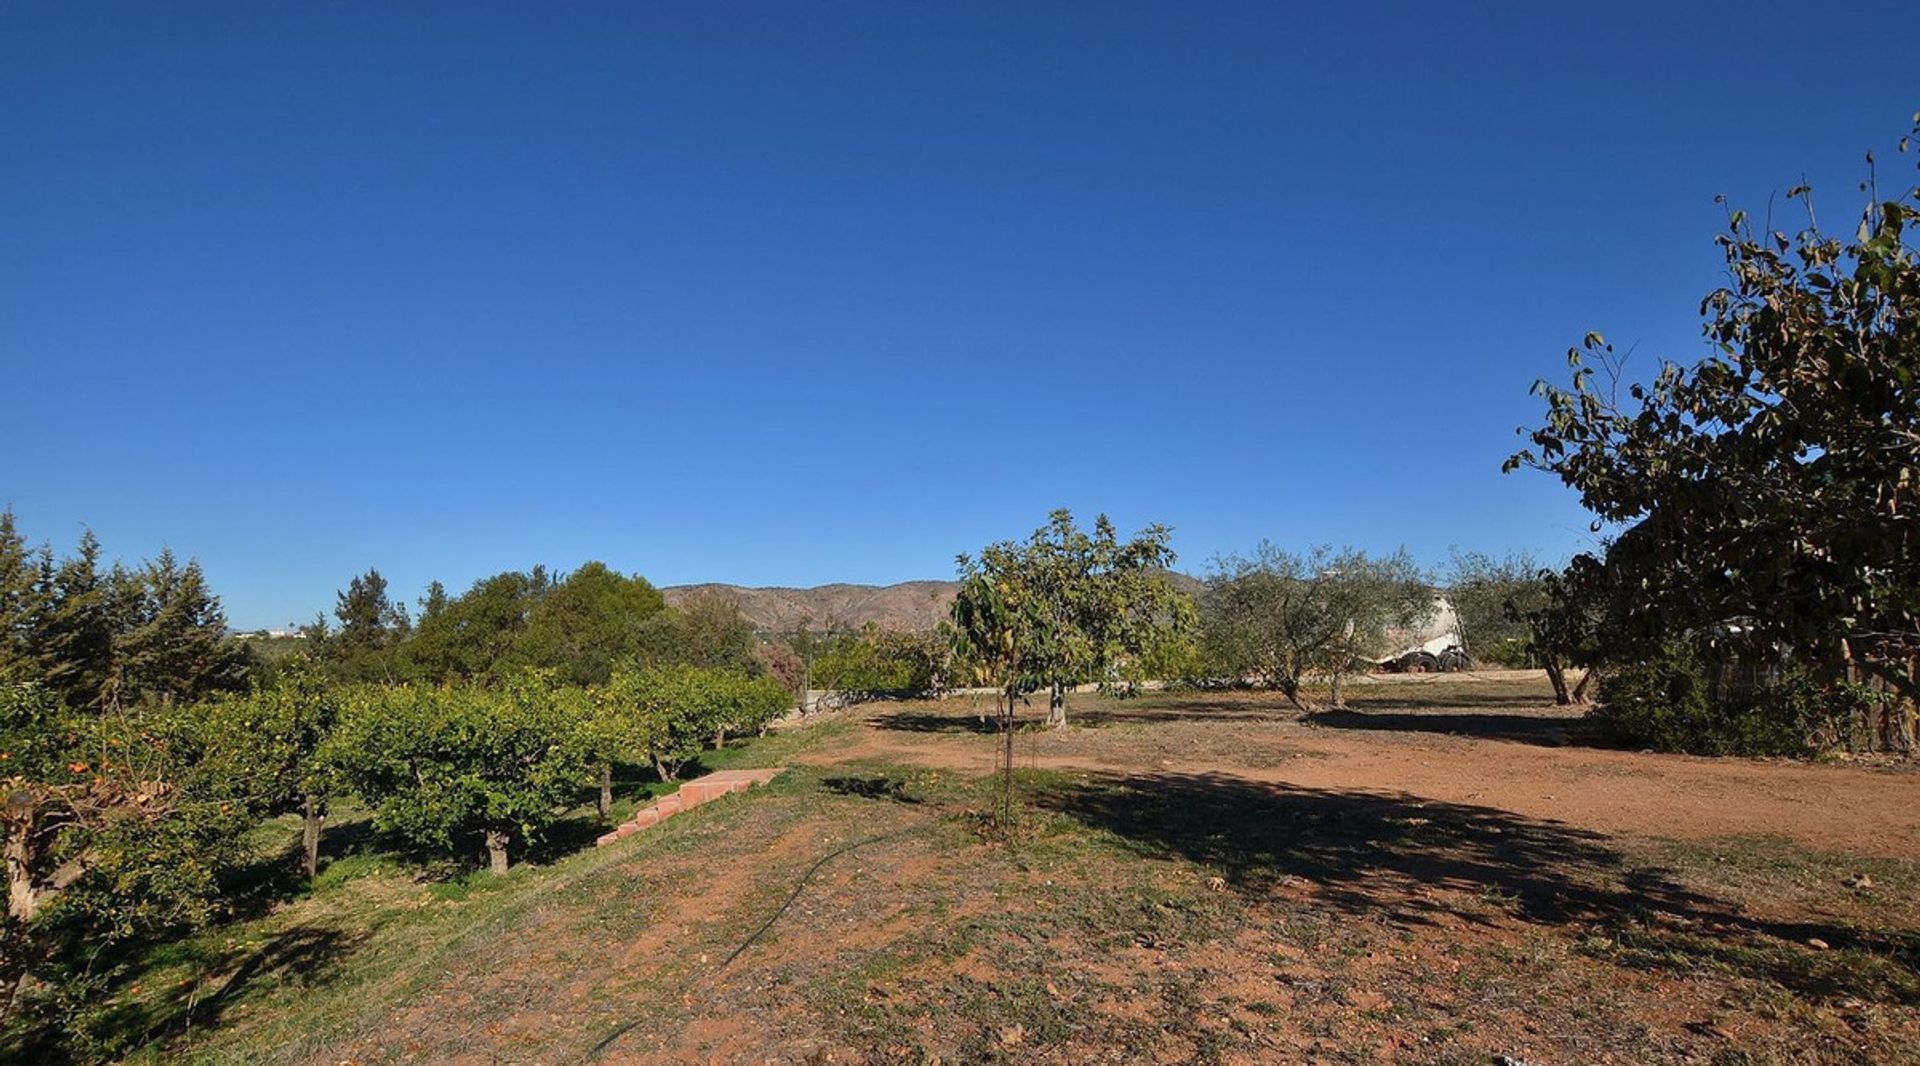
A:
x: 443, y: 763
x: 1062, y: 607
x: 269, y: 749
x: 103, y: 844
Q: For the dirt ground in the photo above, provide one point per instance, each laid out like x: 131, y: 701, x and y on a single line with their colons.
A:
x: 1446, y: 871
x: 1487, y: 739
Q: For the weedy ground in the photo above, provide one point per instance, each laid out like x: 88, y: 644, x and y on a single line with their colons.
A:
x: 1444, y: 872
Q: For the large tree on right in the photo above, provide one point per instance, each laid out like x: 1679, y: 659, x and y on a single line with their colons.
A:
x: 1768, y: 494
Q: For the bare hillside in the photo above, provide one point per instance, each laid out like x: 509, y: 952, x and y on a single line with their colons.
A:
x: 910, y: 605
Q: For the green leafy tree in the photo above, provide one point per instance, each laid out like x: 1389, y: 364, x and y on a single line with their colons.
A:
x: 748, y: 703
x: 1279, y: 618
x: 591, y: 619
x: 707, y: 630
x: 883, y: 661
x: 662, y: 715
x: 1089, y: 602
x: 1061, y: 607
x: 1768, y: 491
x: 269, y: 748
x: 440, y: 764
x: 1491, y: 598
x: 103, y: 846
x: 472, y: 635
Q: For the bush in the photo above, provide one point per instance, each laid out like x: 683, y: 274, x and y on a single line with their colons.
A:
x: 1668, y: 703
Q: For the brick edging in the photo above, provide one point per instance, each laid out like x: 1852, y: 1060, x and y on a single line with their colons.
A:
x: 691, y: 794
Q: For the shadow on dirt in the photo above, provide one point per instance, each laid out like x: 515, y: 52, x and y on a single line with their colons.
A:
x: 1419, y: 862
x: 878, y: 786
x: 1545, y: 730
x: 1410, y: 697
x: 961, y: 721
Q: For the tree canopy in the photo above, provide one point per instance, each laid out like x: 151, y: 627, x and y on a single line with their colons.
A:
x: 1768, y: 493
x: 1278, y: 617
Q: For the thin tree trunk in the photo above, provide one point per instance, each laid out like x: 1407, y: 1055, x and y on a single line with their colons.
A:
x: 497, y: 850
x: 661, y: 768
x: 1337, y: 703
x: 1006, y: 765
x: 1057, y: 706
x: 720, y: 738
x: 606, y: 789
x: 315, y: 811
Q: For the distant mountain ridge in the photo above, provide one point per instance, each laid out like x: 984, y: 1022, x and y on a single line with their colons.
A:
x: 909, y: 605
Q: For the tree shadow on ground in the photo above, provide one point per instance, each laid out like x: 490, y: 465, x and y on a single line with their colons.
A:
x: 935, y: 722
x: 877, y: 786
x: 566, y: 836
x: 301, y: 956
x: 1210, y: 709
x: 1424, y: 863
x: 1413, y: 697
x: 1553, y: 731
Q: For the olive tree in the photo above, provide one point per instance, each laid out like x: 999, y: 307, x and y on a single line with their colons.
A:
x: 1278, y: 618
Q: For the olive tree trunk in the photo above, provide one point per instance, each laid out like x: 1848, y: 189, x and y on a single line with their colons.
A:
x: 497, y: 850
x: 1586, y: 682
x: 606, y: 789
x: 1557, y: 675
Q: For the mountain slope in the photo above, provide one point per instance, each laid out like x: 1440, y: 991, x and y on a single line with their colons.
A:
x: 910, y: 605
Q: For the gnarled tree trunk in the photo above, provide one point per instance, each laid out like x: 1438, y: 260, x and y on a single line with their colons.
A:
x: 497, y: 850
x: 1586, y: 682
x: 1057, y: 705
x: 1557, y: 675
x: 22, y: 901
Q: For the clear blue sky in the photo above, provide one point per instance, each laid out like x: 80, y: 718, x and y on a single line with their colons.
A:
x: 796, y: 293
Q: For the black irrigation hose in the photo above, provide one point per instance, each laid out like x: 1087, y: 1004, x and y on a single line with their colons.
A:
x: 762, y: 931
x: 804, y: 878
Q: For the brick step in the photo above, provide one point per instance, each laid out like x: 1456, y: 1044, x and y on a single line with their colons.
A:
x: 691, y: 794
